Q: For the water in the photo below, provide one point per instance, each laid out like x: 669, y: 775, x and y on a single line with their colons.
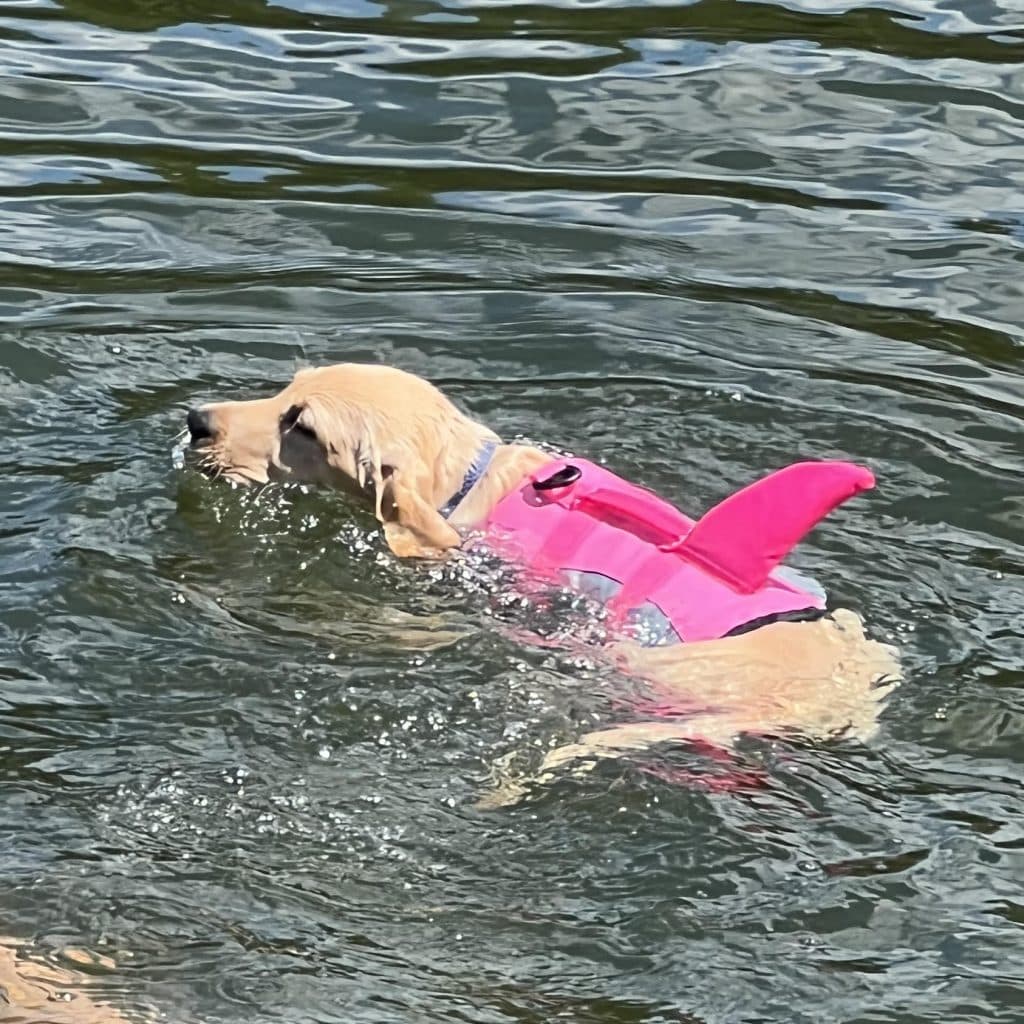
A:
x: 241, y: 747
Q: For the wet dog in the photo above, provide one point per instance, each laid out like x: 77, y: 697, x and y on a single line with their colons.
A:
x: 432, y: 474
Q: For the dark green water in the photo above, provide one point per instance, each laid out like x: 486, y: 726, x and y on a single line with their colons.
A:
x: 240, y: 742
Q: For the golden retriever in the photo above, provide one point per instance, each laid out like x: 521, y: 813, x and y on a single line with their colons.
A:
x: 395, y: 439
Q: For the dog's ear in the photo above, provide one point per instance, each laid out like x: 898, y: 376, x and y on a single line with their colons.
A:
x: 299, y: 416
x: 345, y: 437
x: 360, y: 447
x: 413, y: 528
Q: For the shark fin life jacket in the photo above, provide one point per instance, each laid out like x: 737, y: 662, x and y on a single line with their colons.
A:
x: 717, y: 576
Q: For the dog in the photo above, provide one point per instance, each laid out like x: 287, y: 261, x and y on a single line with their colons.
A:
x: 433, y: 475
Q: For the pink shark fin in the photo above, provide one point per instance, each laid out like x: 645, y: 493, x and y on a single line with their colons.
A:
x: 745, y: 537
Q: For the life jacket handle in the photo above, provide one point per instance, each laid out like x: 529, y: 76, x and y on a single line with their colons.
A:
x: 564, y: 477
x: 654, y: 520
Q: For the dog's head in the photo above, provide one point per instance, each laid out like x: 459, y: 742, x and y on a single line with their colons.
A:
x: 373, y: 430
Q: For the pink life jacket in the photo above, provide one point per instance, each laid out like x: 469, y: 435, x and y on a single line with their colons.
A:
x: 710, y: 578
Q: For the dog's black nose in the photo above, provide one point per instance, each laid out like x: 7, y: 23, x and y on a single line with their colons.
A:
x: 198, y: 421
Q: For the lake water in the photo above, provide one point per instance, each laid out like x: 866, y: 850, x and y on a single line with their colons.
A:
x: 241, y: 747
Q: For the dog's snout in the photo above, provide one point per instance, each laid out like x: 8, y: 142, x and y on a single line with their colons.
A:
x: 198, y: 421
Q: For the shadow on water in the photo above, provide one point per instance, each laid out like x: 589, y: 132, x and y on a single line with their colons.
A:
x: 242, y: 749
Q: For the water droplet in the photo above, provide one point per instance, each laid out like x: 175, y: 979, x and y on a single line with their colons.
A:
x: 324, y: 753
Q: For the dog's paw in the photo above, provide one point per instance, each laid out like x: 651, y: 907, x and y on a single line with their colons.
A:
x: 510, y: 789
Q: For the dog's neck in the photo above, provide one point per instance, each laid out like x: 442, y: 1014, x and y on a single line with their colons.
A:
x: 509, y: 465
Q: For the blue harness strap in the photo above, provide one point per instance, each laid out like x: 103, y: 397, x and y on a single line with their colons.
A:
x: 475, y: 471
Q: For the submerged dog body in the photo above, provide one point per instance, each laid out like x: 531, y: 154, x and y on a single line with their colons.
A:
x: 432, y: 474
